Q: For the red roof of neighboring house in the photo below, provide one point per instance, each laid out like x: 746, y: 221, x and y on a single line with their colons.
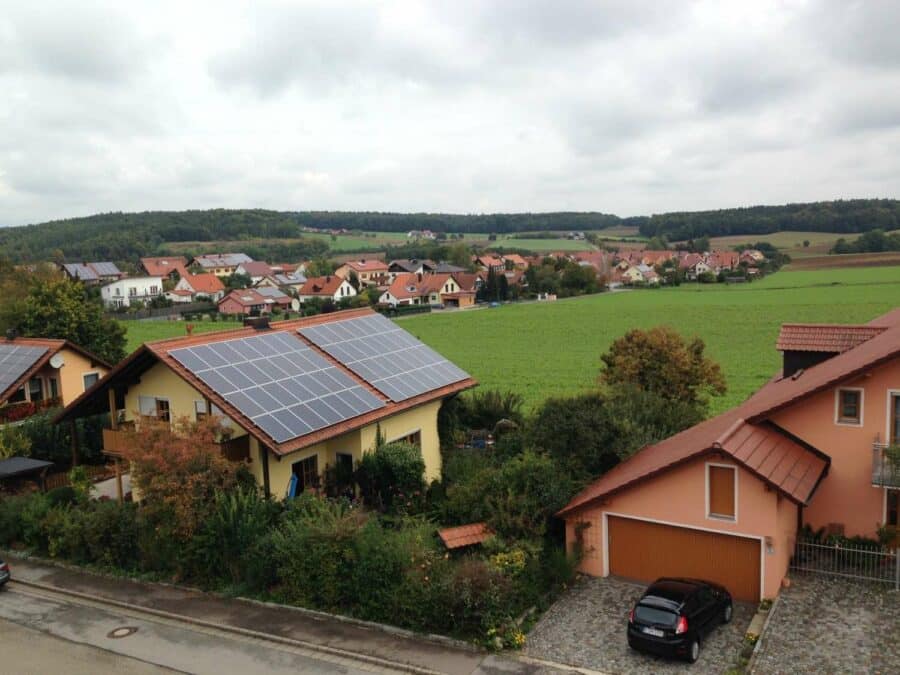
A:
x: 204, y: 283
x: 246, y: 297
x: 162, y: 267
x: 321, y: 286
x: 466, y: 280
x: 94, y: 400
x: 256, y: 268
x: 489, y: 261
x: 464, y: 535
x: 367, y: 265
x: 516, y: 259
x: 823, y: 337
x: 406, y: 286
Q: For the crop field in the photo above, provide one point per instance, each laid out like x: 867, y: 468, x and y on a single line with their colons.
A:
x: 553, y: 349
x: 846, y: 260
x: 542, y: 245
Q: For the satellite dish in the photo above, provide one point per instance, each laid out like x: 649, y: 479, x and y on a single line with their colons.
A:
x: 57, y: 361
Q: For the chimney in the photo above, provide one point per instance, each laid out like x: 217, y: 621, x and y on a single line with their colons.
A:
x: 257, y: 322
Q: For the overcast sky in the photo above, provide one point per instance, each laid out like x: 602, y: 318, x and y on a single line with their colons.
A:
x: 457, y: 106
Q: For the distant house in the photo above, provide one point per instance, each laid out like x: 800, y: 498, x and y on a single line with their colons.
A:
x: 172, y: 267
x: 426, y: 289
x: 490, y: 262
x: 517, y: 261
x: 92, y: 273
x: 723, y: 260
x: 369, y: 272
x: 275, y: 297
x: 289, y: 282
x: 125, y: 292
x: 330, y: 287
x: 197, y: 287
x: 41, y: 373
x: 447, y: 268
x: 411, y: 266
x: 255, y: 269
x: 245, y: 301
x: 469, y: 281
x: 752, y: 257
x: 221, y: 264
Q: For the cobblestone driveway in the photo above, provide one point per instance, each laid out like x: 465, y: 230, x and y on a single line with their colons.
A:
x: 825, y: 625
x: 586, y: 628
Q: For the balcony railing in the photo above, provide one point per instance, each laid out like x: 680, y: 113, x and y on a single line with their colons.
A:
x: 885, y: 466
x: 16, y: 412
x: 115, y: 442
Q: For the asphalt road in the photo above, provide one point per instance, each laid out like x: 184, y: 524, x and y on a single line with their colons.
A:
x: 46, y: 634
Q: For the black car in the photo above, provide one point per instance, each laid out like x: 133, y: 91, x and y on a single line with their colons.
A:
x: 674, y: 616
x: 4, y: 573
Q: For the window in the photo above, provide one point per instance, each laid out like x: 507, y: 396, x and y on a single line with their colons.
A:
x: 721, y: 482
x: 307, y: 472
x: 200, y: 410
x: 155, y: 408
x: 415, y: 438
x: 132, y: 291
x: 90, y: 379
x: 19, y: 396
x: 54, y: 387
x: 849, y: 406
x: 36, y: 389
x: 162, y: 409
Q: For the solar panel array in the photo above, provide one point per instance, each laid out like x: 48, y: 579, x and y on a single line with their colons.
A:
x: 284, y: 386
x: 105, y: 269
x: 384, y: 355
x: 15, y: 360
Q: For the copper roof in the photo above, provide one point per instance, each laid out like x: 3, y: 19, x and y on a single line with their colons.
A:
x: 93, y: 401
x: 823, y: 337
x: 464, y: 535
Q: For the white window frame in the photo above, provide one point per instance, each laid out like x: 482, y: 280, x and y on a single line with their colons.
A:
x: 417, y: 430
x: 90, y: 372
x: 715, y: 516
x: 837, y: 406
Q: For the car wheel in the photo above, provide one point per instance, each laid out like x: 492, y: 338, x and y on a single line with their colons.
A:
x: 728, y: 613
x: 694, y: 651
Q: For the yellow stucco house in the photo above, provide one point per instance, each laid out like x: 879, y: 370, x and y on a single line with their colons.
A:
x: 298, y: 396
x: 38, y: 373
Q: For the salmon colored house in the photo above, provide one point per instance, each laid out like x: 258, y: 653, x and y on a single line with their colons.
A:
x: 725, y: 499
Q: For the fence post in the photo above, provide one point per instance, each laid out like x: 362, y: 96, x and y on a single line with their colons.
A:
x: 897, y: 569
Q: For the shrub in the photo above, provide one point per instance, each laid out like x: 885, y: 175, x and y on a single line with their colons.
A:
x: 111, y: 534
x: 13, y: 442
x: 11, y: 524
x: 62, y: 496
x: 484, y: 409
x: 33, y: 514
x: 63, y: 529
x: 391, y: 477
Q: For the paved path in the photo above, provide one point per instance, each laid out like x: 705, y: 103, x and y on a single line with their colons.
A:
x: 319, y: 630
x: 827, y: 625
x: 586, y: 628
x: 27, y: 651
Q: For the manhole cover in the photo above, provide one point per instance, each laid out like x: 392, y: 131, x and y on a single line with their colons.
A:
x: 122, y: 631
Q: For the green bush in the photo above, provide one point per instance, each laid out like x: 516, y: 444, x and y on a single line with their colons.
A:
x: 391, y: 477
x: 63, y: 529
x: 33, y: 514
x: 111, y: 535
x: 62, y: 496
x: 11, y: 509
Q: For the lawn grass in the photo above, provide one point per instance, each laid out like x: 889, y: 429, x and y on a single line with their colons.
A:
x: 553, y: 349
x: 147, y: 331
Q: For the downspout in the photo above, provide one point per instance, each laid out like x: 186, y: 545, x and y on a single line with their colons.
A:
x: 264, y: 456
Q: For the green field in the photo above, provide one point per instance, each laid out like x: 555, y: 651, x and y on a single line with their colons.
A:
x: 542, y: 245
x: 553, y: 349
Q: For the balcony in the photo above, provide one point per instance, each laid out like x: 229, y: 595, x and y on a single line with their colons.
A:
x: 885, y: 466
x: 16, y: 412
x: 115, y: 442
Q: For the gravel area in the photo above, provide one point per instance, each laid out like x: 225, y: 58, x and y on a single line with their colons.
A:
x: 828, y: 625
x: 586, y: 628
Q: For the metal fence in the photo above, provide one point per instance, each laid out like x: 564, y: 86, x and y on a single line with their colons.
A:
x: 870, y: 564
x: 175, y: 310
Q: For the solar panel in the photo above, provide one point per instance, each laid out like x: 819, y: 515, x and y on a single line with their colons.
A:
x: 284, y: 386
x: 15, y: 360
x: 105, y: 269
x: 386, y: 356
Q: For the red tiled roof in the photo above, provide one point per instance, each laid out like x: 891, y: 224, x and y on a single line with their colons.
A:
x: 321, y: 286
x: 204, y: 283
x: 466, y: 280
x: 367, y: 265
x: 246, y: 297
x: 161, y: 267
x: 821, y: 337
x: 53, y: 346
x: 256, y: 268
x: 464, y: 535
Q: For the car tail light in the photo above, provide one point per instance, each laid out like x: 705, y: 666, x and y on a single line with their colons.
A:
x: 631, y: 616
x: 681, y: 626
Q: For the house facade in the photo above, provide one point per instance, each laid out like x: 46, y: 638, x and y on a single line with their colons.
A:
x: 369, y: 272
x: 40, y: 373
x: 220, y: 264
x: 196, y: 287
x: 168, y: 267
x: 125, y: 292
x: 292, y: 402
x: 725, y: 500
x: 330, y: 287
x: 92, y: 273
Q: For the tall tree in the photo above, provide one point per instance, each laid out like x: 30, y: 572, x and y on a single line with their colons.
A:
x: 59, y: 308
x: 659, y: 360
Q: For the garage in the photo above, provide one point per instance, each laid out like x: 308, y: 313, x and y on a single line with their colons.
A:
x: 645, y: 551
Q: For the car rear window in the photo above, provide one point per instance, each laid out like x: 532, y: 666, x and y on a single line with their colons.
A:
x: 654, y: 615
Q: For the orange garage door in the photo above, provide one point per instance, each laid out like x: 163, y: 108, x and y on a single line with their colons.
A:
x: 646, y: 551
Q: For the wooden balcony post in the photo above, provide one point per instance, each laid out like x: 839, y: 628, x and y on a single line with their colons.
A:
x: 120, y: 494
x: 73, y: 430
x: 113, y: 413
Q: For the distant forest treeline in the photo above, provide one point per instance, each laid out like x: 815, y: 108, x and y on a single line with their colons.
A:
x: 841, y: 216
x: 128, y: 236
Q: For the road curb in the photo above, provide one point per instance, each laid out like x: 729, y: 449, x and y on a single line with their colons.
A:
x: 762, y: 634
x: 225, y: 628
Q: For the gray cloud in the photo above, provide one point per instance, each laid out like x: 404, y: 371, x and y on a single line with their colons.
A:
x: 622, y: 106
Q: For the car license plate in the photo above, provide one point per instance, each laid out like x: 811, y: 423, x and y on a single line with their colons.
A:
x: 655, y: 632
